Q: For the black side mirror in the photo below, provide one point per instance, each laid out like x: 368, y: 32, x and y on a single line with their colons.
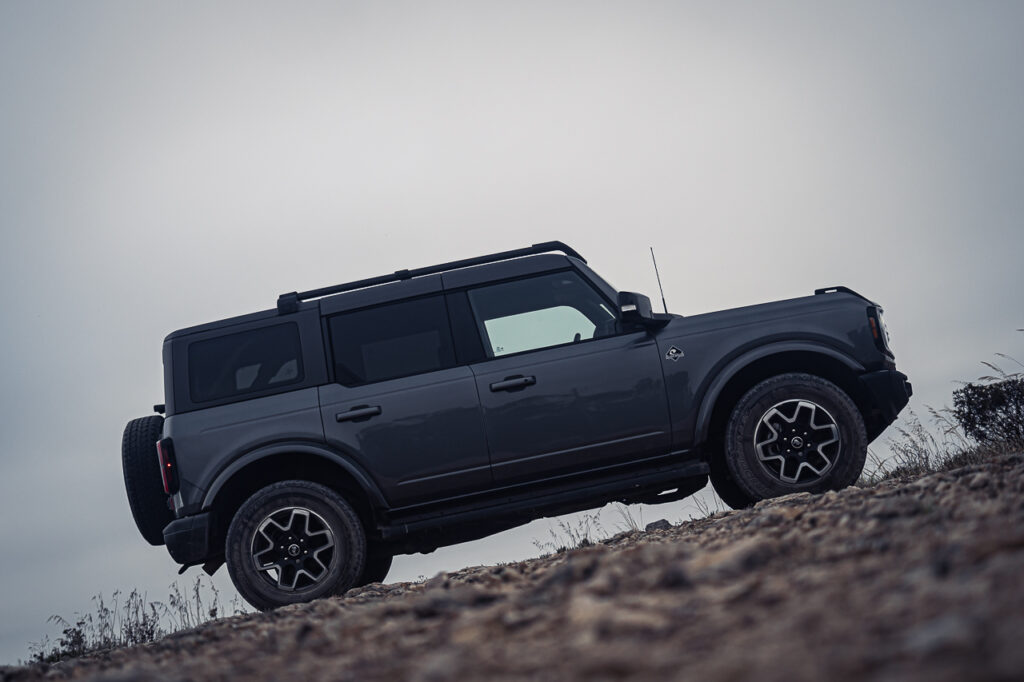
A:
x: 635, y: 308
x: 635, y: 311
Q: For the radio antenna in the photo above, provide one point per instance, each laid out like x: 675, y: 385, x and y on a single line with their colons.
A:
x: 655, y: 261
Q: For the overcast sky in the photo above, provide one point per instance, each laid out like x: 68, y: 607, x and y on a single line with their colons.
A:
x: 167, y: 165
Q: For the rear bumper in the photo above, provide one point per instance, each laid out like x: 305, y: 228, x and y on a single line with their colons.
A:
x: 188, y: 539
x: 889, y: 392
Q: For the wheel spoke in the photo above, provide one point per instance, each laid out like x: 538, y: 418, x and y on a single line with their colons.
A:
x: 292, y: 548
x: 797, y: 441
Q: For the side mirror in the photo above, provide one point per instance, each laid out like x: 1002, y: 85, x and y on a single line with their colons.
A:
x: 635, y: 308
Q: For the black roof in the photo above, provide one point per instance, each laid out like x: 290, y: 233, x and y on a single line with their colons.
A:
x: 295, y: 301
x: 289, y: 303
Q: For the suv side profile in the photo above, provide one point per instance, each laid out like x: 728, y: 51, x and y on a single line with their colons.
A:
x: 307, y: 445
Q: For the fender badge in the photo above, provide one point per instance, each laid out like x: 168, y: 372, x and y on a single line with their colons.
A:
x: 674, y: 354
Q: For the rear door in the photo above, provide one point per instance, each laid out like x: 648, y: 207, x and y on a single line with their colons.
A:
x: 400, y: 405
x: 563, y: 391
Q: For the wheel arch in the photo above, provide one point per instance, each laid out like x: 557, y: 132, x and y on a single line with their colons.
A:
x: 303, y: 461
x: 746, y: 371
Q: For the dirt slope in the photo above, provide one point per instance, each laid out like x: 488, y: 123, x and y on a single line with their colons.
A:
x: 923, y: 580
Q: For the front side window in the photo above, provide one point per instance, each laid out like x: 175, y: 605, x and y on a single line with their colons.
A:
x: 391, y: 341
x: 540, y: 312
x: 246, y: 362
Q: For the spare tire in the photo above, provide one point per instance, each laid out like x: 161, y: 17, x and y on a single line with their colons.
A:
x: 142, y: 479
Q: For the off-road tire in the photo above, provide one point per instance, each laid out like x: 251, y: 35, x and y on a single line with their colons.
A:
x: 266, y: 508
x: 142, y: 480
x: 807, y: 399
x: 378, y: 563
x: 725, y: 487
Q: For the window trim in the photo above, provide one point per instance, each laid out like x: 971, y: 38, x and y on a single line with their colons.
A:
x: 325, y: 321
x: 469, y: 347
x: 458, y: 327
x: 240, y: 396
x: 482, y: 333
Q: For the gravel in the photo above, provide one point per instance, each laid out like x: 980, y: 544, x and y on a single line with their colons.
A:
x: 902, y: 581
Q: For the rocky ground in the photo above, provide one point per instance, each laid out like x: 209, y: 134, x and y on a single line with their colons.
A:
x: 920, y: 580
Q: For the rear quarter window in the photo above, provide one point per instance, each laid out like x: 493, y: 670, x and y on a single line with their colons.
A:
x: 248, y: 362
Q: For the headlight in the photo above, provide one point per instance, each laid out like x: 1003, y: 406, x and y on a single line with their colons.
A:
x: 885, y: 329
x: 878, y: 329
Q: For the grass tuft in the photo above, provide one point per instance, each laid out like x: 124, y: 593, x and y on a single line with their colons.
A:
x: 133, y: 621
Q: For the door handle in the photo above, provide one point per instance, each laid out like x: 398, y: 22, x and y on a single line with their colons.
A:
x: 362, y: 412
x: 512, y: 383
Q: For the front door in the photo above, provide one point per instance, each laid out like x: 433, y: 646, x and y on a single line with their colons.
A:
x: 400, y: 406
x: 563, y: 391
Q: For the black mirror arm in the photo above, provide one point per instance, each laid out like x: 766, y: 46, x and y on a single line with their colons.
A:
x: 656, y: 321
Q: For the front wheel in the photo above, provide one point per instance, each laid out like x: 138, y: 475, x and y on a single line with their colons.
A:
x: 726, y: 488
x: 794, y: 433
x: 292, y: 542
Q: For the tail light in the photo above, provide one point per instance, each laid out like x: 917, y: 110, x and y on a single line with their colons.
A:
x: 168, y: 465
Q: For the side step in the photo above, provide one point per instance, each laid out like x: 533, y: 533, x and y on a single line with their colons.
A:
x: 511, y: 510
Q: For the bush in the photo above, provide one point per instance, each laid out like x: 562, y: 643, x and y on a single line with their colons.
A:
x: 991, y: 412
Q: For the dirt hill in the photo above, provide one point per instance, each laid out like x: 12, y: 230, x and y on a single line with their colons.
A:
x: 920, y: 580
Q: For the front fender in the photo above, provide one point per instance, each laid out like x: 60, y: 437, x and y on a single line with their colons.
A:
x: 737, y: 364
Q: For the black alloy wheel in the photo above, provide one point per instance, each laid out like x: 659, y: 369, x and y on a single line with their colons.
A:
x: 794, y: 433
x: 797, y: 441
x: 293, y: 548
x: 294, y: 541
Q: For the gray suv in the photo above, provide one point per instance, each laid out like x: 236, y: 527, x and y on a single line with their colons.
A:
x: 307, y: 445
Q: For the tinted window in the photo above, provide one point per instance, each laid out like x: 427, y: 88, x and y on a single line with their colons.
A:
x: 246, y: 362
x: 540, y: 312
x: 391, y: 341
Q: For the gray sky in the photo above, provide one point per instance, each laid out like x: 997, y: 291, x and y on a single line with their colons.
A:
x: 167, y: 165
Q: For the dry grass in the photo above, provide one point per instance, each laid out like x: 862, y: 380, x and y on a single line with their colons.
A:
x: 588, y: 529
x: 133, y: 621
x: 919, y: 450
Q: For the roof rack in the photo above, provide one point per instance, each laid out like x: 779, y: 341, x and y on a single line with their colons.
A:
x: 840, y: 289
x: 289, y: 303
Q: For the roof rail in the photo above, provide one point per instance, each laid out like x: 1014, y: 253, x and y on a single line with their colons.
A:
x: 289, y: 303
x: 840, y: 289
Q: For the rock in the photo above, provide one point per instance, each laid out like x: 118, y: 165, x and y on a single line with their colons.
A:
x: 940, y: 634
x: 736, y: 558
x: 438, y: 667
x: 979, y: 480
x: 660, y: 524
x: 439, y: 581
x: 674, y: 578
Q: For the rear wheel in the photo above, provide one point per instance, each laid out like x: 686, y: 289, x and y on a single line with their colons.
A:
x: 794, y: 433
x: 142, y: 479
x: 292, y: 542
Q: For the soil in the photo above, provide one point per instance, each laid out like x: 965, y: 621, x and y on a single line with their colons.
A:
x: 918, y: 580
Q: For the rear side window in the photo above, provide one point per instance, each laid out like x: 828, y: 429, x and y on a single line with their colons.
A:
x: 391, y: 341
x: 247, y: 362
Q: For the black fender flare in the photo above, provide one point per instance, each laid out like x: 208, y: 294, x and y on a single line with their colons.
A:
x: 737, y: 364
x: 317, y: 449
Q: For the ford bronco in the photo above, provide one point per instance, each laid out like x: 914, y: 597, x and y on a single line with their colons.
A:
x: 308, y: 444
